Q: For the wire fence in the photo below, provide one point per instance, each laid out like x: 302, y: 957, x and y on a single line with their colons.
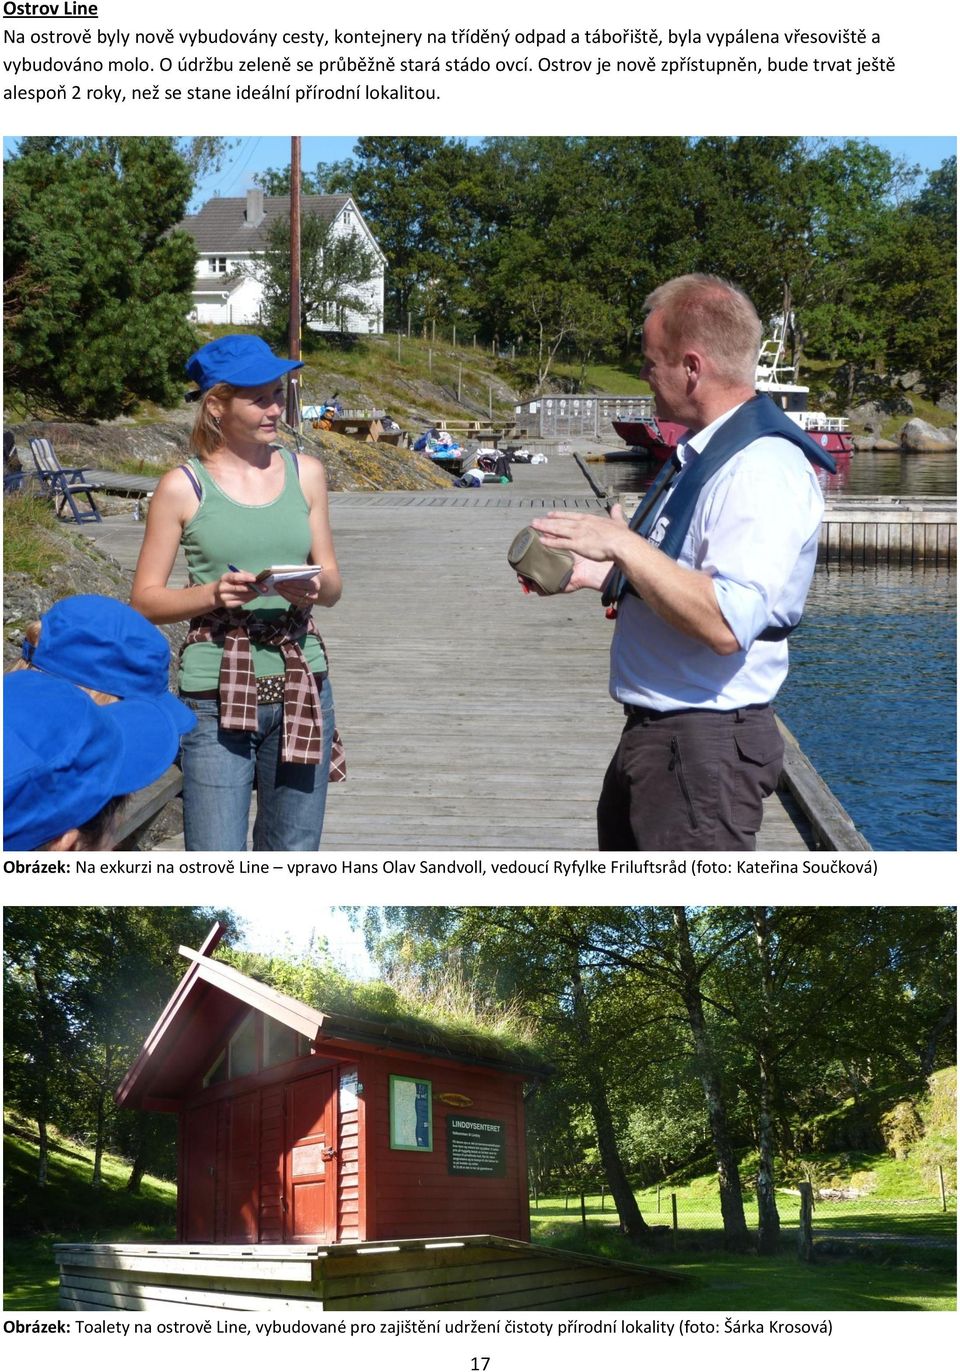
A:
x: 834, y: 1212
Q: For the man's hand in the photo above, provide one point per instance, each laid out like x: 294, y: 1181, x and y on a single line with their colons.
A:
x: 586, y: 576
x: 598, y: 538
x: 681, y: 596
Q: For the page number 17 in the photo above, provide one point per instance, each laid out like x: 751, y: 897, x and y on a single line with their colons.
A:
x: 479, y: 1364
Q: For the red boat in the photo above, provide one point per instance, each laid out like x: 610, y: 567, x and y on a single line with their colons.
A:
x: 647, y: 436
x: 657, y: 438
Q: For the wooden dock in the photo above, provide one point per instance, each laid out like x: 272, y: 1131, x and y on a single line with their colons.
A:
x: 474, y: 717
x: 889, y: 531
x: 476, y: 1272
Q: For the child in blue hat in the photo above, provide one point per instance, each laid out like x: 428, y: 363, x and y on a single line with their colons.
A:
x: 69, y: 763
x: 253, y: 671
x: 106, y: 648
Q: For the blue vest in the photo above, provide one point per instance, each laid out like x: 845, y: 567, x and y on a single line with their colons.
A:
x: 756, y: 418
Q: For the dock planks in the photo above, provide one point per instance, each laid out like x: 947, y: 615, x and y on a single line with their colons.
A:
x: 474, y: 717
x: 475, y: 1272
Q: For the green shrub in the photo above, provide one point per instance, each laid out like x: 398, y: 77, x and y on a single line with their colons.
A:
x: 901, y: 1128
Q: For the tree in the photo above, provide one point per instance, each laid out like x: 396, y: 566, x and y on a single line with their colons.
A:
x: 82, y: 987
x: 329, y: 178
x: 535, y: 957
x: 334, y: 269
x: 420, y: 197
x: 96, y: 286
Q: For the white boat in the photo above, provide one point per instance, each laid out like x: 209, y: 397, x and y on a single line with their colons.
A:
x: 833, y: 434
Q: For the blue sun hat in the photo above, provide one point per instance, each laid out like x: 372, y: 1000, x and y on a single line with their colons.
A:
x: 93, y: 641
x: 241, y: 359
x: 65, y: 756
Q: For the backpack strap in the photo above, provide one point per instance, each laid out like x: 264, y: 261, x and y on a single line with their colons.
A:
x: 191, y: 476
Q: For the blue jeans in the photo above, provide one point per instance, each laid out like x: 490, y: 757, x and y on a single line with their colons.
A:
x: 220, y: 767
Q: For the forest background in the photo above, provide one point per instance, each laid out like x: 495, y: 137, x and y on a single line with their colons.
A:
x: 544, y: 248
x: 734, y: 1039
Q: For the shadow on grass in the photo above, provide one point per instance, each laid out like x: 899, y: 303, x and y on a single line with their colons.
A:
x: 30, y: 1277
x: 889, y: 1280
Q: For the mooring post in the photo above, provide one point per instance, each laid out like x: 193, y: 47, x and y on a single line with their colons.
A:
x: 805, y: 1236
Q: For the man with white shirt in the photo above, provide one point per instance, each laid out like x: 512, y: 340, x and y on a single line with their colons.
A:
x: 707, y: 589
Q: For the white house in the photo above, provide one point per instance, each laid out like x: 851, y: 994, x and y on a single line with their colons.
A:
x: 231, y: 231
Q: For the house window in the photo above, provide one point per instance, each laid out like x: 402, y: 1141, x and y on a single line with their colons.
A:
x: 242, y: 1049
x: 218, y: 1072
x: 280, y: 1044
x: 217, y: 265
x: 254, y: 1050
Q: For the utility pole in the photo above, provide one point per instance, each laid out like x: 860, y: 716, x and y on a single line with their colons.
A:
x: 293, y: 380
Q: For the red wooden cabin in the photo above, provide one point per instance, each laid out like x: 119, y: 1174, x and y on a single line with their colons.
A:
x: 299, y: 1126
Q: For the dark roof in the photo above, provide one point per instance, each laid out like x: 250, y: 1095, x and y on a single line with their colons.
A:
x: 217, y: 285
x: 221, y: 226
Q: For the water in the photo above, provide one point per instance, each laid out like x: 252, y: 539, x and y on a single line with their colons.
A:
x: 871, y: 693
x: 863, y: 474
x: 872, y: 699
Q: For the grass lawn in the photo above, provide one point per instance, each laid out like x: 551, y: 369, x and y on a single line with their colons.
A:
x: 69, y: 1210
x: 900, y: 1280
x: 872, y: 1275
x: 900, y: 1201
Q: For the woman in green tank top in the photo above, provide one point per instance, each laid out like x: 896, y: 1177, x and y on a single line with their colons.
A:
x: 253, y: 669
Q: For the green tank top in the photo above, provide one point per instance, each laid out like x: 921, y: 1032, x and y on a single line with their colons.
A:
x: 252, y: 537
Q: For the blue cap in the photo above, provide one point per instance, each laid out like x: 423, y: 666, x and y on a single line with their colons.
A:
x: 93, y: 641
x: 241, y: 359
x: 65, y: 757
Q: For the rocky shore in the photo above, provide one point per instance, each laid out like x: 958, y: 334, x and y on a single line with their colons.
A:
x: 350, y: 465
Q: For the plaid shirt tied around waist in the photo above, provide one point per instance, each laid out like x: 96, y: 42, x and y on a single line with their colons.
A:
x: 235, y: 630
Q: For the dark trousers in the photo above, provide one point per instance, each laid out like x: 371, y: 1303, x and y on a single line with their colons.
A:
x: 687, y: 780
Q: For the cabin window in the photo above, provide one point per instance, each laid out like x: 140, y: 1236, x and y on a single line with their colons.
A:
x: 280, y: 1043
x: 218, y: 1072
x: 242, y: 1049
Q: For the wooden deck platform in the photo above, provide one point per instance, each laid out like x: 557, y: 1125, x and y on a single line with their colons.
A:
x: 475, y: 1272
x: 889, y: 531
x: 474, y: 717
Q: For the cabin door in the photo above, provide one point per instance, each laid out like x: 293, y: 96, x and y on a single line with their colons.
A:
x: 241, y: 1192
x: 310, y: 1160
x: 198, y: 1218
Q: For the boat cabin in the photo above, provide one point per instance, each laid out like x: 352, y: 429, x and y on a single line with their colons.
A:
x: 301, y: 1126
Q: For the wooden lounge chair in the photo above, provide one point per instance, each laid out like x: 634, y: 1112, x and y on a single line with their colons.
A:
x: 63, y: 483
